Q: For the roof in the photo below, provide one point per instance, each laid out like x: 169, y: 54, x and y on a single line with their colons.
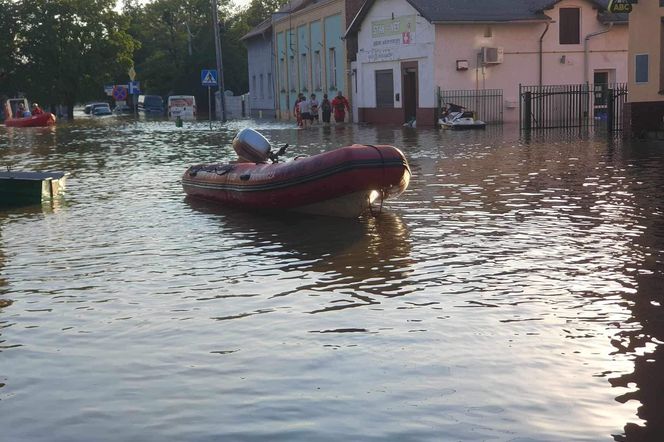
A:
x: 260, y: 29
x: 266, y: 25
x: 483, y: 11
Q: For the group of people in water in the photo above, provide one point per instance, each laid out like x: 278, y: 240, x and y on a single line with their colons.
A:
x: 22, y: 112
x: 306, y: 110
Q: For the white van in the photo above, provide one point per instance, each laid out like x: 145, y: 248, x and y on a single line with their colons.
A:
x: 183, y: 106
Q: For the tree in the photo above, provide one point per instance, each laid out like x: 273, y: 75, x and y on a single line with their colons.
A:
x: 8, y: 60
x: 68, y: 49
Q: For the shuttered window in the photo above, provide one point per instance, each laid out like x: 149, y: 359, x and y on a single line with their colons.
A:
x: 384, y: 88
x: 570, y: 26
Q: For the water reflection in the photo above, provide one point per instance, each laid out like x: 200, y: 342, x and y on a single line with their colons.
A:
x: 362, y: 260
x: 641, y: 337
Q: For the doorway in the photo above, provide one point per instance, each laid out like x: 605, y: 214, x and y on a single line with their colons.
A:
x: 409, y: 90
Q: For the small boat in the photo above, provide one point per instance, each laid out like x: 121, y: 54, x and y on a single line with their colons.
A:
x: 343, y: 182
x: 25, y: 188
x: 458, y: 118
x: 40, y: 120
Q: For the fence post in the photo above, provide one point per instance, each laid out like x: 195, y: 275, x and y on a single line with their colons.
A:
x: 610, y: 111
x: 527, y: 110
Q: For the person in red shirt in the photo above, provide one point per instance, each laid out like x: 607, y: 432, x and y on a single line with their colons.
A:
x: 340, y: 105
x: 36, y: 110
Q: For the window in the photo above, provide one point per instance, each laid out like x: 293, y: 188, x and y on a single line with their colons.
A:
x: 269, y: 85
x: 317, y: 71
x: 304, y: 77
x: 254, y: 91
x: 293, y: 74
x: 641, y: 68
x: 262, y: 87
x: 384, y: 88
x: 332, y: 64
x: 570, y: 26
x: 282, y: 74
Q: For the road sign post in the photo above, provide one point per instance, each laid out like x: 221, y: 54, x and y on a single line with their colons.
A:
x: 220, y: 63
x: 209, y: 79
x: 210, y: 106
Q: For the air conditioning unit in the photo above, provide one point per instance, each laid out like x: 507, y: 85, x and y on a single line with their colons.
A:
x: 492, y: 55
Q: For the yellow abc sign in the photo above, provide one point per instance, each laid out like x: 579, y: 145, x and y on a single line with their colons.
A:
x: 620, y: 6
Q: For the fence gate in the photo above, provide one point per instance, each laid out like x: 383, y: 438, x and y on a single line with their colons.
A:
x: 572, y: 105
x: 486, y: 103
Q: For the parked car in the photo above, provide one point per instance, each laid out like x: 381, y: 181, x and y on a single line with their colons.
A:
x: 101, y: 109
x: 151, y: 104
x: 183, y: 106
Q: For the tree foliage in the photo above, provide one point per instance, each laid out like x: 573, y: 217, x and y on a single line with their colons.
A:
x: 64, y: 51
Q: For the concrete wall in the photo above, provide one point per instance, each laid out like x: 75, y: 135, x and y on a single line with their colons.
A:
x: 561, y: 64
x: 261, y: 75
x: 388, y: 53
x: 318, y: 27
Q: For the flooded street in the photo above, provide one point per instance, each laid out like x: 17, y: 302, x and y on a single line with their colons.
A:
x: 513, y: 292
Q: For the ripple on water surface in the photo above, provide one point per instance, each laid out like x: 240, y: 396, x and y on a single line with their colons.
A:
x: 511, y: 293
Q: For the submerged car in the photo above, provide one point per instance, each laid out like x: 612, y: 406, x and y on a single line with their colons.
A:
x: 123, y: 109
x: 101, y: 109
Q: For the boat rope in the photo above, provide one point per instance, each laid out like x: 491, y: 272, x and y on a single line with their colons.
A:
x: 382, y: 186
x: 219, y: 169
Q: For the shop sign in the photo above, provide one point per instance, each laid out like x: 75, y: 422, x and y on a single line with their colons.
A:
x: 393, y: 32
x: 619, y: 7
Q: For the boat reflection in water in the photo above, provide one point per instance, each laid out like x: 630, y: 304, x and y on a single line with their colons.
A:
x: 372, y: 248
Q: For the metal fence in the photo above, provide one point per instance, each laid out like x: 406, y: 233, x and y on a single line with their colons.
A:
x: 572, y: 105
x: 486, y: 103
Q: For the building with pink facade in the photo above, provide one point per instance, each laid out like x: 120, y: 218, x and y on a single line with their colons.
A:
x: 408, y: 50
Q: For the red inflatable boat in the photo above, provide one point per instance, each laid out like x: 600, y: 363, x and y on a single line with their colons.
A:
x: 41, y: 120
x: 341, y: 182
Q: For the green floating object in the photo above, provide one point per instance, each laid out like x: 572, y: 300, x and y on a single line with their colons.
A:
x: 27, y: 188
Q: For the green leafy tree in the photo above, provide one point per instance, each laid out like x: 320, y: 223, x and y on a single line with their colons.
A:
x: 68, y: 49
x: 8, y: 59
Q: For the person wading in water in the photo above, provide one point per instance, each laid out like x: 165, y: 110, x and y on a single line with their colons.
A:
x: 340, y: 105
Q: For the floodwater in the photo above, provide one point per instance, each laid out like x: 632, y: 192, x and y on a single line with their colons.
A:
x: 513, y: 292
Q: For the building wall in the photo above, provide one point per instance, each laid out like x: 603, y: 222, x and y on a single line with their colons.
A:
x: 561, y: 63
x: 260, y: 63
x: 378, y: 53
x: 316, y: 28
x: 644, y: 113
x: 645, y: 38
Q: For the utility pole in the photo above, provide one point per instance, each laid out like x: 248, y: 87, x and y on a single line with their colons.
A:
x: 220, y: 65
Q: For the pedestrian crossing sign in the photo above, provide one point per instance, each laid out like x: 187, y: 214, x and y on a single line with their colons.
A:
x: 209, y: 77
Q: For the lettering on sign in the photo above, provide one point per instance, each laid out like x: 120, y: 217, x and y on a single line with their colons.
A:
x: 619, y: 7
x: 382, y: 54
x: 393, y: 32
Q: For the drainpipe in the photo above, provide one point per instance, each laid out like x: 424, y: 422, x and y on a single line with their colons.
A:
x: 540, y: 52
x: 586, y: 68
